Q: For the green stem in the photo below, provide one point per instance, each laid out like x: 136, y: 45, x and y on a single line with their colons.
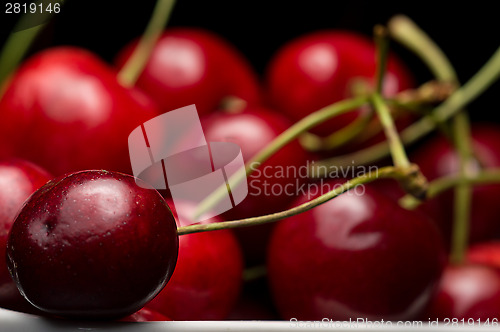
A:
x: 410, y: 35
x: 391, y: 133
x: 382, y: 42
x: 286, y: 137
x: 362, y: 128
x: 405, y: 31
x: 396, y: 147
x: 486, y: 76
x: 442, y: 184
x: 384, y: 172
x: 129, y: 74
x: 18, y: 44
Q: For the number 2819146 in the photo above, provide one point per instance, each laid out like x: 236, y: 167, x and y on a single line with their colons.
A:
x: 32, y: 8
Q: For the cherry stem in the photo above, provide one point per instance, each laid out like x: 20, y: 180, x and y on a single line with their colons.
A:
x: 18, y: 44
x: 134, y: 66
x: 362, y: 128
x: 395, y: 145
x: 382, y: 41
x: 385, y: 172
x: 415, y: 183
x: 279, y: 142
x: 444, y: 183
x: 405, y: 31
x: 414, y: 38
x: 483, y: 79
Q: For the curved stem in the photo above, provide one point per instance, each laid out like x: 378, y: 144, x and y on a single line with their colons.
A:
x: 131, y: 71
x: 405, y: 31
x: 384, y: 172
x: 286, y: 137
x: 486, y: 76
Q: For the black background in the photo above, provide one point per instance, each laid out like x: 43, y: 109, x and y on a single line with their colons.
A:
x: 468, y: 34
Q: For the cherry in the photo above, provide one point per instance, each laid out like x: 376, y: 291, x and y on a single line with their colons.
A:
x: 18, y: 180
x: 92, y: 245
x: 320, y: 68
x: 207, y: 279
x: 65, y: 110
x: 486, y: 253
x: 467, y: 292
x: 146, y: 315
x: 271, y: 188
x: 358, y: 255
x: 438, y: 158
x: 192, y: 66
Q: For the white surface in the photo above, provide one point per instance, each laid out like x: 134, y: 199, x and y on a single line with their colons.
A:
x: 11, y: 321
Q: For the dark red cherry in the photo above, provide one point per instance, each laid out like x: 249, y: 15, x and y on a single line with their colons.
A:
x: 468, y: 292
x: 320, y: 68
x: 146, y: 315
x: 359, y: 255
x: 437, y: 158
x: 192, y: 66
x: 92, y: 245
x: 65, y: 110
x: 18, y: 180
x: 207, y: 279
x: 275, y: 183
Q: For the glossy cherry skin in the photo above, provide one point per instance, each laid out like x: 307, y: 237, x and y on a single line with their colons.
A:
x: 358, y: 255
x: 146, y: 315
x: 92, y: 245
x: 467, y: 292
x: 319, y: 68
x: 192, y: 66
x: 437, y: 158
x: 18, y: 180
x: 486, y: 253
x: 65, y: 111
x: 268, y: 191
x: 207, y: 279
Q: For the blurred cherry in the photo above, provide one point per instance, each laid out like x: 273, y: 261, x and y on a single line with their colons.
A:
x: 323, y: 67
x: 467, y: 292
x: 65, y: 110
x: 193, y: 66
x: 486, y: 253
x: 207, y: 279
x: 358, y: 255
x: 18, y: 180
x: 437, y: 158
